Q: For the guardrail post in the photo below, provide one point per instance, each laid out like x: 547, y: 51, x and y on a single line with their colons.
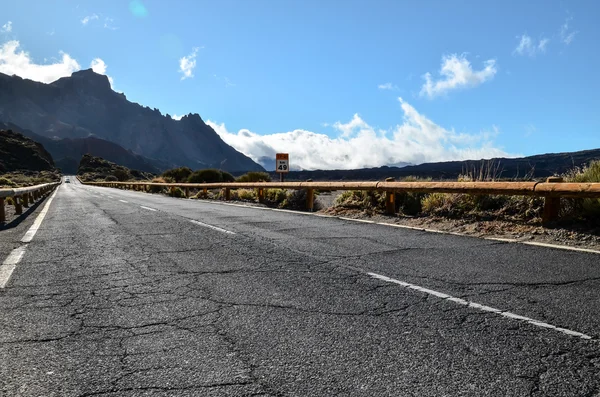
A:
x: 205, y: 193
x: 390, y: 200
x: 261, y: 195
x: 18, y: 205
x: 551, y: 204
x: 2, y: 212
x: 310, y: 199
x: 25, y: 200
x: 187, y: 192
x: 227, y: 194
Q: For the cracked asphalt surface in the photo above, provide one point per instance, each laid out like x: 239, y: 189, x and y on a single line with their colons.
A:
x: 112, y: 299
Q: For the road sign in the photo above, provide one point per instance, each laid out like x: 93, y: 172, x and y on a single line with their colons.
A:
x: 282, y: 163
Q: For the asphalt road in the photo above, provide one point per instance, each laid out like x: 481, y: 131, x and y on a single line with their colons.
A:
x: 122, y: 293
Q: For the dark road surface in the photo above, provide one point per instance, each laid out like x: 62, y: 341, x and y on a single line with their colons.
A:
x: 121, y: 293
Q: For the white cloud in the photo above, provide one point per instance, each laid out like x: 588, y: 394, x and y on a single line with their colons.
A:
x: 13, y: 61
x: 387, y: 86
x: 566, y: 34
x: 176, y: 117
x: 109, y: 24
x: 89, y: 18
x: 528, y: 46
x: 187, y: 64
x: 456, y: 72
x: 99, y: 66
x: 416, y: 140
x: 7, y: 27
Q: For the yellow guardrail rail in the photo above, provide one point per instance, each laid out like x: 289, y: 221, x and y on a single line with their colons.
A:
x: 552, y: 190
x: 23, y: 196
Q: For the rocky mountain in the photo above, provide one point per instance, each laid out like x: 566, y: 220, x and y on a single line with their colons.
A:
x: 84, y: 105
x: 67, y: 152
x: 532, y: 167
x: 19, y: 153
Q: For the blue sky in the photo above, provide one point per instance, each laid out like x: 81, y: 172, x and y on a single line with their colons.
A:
x: 338, y: 84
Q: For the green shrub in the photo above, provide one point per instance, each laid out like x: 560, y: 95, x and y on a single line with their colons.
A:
x: 111, y: 178
x: 368, y: 201
x: 482, y: 206
x: 409, y: 203
x: 275, y: 196
x: 246, y: 194
x: 122, y: 174
x: 433, y: 202
x: 157, y: 189
x: 10, y: 201
x: 180, y: 174
x: 6, y: 182
x: 296, y: 200
x: 255, y: 177
x: 588, y: 208
x: 227, y: 177
x: 210, y: 176
x: 176, y: 192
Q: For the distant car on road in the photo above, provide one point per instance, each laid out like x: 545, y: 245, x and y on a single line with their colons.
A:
x: 67, y: 181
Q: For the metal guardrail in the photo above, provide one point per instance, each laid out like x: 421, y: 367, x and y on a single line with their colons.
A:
x: 23, y: 196
x: 552, y: 190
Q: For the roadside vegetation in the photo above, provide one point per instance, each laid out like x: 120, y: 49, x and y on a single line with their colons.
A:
x: 29, y: 178
x: 466, y: 207
x: 478, y: 207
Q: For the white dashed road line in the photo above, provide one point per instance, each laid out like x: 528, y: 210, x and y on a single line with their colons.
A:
x: 123, y: 201
x: 211, y: 227
x: 148, y: 208
x: 481, y: 307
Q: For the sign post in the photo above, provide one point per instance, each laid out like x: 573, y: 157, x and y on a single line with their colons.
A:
x: 282, y: 164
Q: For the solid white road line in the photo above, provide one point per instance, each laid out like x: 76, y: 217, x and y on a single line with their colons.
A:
x: 123, y: 201
x: 148, y: 208
x: 38, y: 221
x: 481, y: 307
x: 211, y: 227
x: 506, y: 240
x: 9, y: 264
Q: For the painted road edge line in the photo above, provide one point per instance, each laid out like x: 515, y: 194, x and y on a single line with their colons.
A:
x: 38, y: 221
x: 479, y: 306
x: 211, y: 227
x: 9, y: 264
x: 148, y: 208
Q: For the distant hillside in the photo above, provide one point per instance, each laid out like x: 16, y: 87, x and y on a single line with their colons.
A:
x: 96, y: 168
x: 68, y: 152
x: 19, y: 153
x: 84, y: 105
x: 539, y: 166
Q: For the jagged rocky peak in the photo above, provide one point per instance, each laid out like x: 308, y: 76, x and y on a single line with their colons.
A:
x: 85, y: 79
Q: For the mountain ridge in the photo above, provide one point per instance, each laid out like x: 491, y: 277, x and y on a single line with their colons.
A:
x: 530, y: 167
x: 84, y: 105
